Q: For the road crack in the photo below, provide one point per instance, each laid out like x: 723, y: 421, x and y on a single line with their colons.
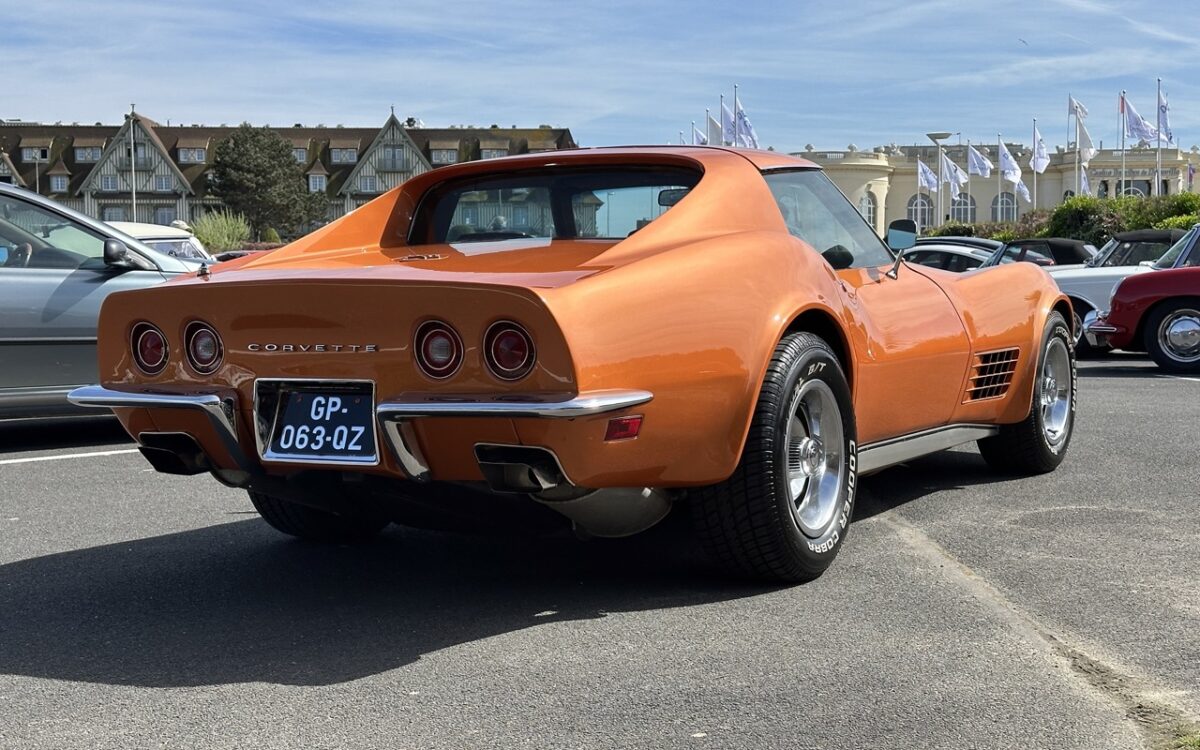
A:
x: 1161, y: 724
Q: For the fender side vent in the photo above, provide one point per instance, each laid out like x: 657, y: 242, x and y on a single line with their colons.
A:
x: 992, y: 374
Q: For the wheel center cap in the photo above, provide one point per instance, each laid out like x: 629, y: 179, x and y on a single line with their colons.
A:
x: 812, y: 455
x: 1049, y: 390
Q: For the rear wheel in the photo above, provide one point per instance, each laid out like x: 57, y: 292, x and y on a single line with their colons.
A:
x: 785, y: 511
x: 313, y: 524
x: 1172, y: 336
x: 1038, y: 443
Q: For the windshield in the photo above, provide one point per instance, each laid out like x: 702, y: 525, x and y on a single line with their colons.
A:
x: 1170, y: 257
x: 189, y: 248
x: 1128, y: 252
x: 588, y: 203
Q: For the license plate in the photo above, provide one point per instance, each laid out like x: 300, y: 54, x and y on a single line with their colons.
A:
x: 324, y: 426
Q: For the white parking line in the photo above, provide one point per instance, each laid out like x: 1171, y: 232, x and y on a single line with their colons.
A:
x: 89, y: 454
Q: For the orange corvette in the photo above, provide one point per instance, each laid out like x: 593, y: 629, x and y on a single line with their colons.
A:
x: 603, y: 333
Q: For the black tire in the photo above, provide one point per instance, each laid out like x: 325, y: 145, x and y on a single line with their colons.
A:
x: 1159, y: 350
x: 1027, y: 446
x: 313, y: 524
x: 748, y: 522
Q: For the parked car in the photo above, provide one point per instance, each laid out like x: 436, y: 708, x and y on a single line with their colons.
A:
x: 955, y: 258
x: 706, y: 324
x: 1043, y: 251
x: 173, y: 241
x: 980, y: 243
x: 56, y: 267
x: 1158, y: 313
x: 1090, y: 287
x: 1132, y: 248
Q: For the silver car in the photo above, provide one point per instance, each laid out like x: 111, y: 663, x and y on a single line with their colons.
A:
x: 56, y: 267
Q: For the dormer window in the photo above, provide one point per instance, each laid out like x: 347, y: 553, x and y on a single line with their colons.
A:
x: 34, y: 154
x: 343, y: 155
x: 192, y: 155
x: 444, y: 155
x: 492, y: 153
x: 300, y: 155
x: 87, y: 154
x: 316, y: 183
x: 58, y: 183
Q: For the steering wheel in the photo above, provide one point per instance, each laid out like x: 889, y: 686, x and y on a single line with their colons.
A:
x: 19, y: 256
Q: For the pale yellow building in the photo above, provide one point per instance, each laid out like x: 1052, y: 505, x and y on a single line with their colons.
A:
x: 882, y: 182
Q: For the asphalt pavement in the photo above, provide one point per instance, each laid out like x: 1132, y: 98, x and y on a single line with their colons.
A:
x: 965, y: 611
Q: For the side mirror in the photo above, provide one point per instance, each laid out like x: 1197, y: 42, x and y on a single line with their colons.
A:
x: 116, y: 254
x: 901, y: 235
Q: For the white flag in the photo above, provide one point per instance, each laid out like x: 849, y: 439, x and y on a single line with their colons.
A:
x: 1164, y: 124
x: 1040, y: 158
x: 698, y: 138
x: 1023, y: 191
x: 952, y: 174
x: 1136, y: 126
x: 978, y: 164
x: 1084, y: 187
x: 925, y: 177
x: 1075, y: 107
x: 714, y: 131
x: 1086, y: 149
x: 1009, y: 168
x: 727, y: 134
x: 745, y: 131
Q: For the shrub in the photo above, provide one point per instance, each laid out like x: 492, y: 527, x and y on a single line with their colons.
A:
x: 1178, y: 222
x: 222, y: 230
x: 271, y: 236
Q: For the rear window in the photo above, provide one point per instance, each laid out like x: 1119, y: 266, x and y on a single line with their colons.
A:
x: 609, y: 203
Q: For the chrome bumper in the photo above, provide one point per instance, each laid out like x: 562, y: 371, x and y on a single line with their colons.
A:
x: 1096, y: 331
x: 395, y: 416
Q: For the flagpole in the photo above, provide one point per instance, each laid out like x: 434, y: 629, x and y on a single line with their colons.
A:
x: 941, y: 169
x: 999, y: 185
x: 967, y: 202
x: 1077, y: 180
x: 723, y: 120
x: 736, y: 140
x: 693, y: 132
x: 1122, y: 117
x: 708, y: 126
x: 132, y: 165
x: 1158, y: 141
x: 1035, y: 156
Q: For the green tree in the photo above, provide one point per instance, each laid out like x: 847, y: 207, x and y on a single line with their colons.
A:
x: 256, y: 176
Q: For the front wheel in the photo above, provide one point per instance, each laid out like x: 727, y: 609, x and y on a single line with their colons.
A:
x: 1038, y: 443
x: 313, y: 524
x: 785, y: 511
x: 1172, y: 336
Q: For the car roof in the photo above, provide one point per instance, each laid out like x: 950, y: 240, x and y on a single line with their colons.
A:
x: 143, y: 231
x: 1151, y: 235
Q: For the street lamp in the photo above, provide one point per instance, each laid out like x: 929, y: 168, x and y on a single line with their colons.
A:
x: 937, y: 139
x: 608, y: 215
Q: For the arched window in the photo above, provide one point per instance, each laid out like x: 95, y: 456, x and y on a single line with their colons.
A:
x: 1004, y: 207
x: 867, y: 206
x: 963, y: 208
x: 920, y: 210
x: 1068, y: 194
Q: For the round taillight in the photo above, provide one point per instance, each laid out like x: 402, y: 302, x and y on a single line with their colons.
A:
x: 439, y: 349
x: 149, y: 349
x: 508, y: 350
x: 203, y: 348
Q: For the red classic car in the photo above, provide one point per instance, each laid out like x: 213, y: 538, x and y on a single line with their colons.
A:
x: 1158, y: 313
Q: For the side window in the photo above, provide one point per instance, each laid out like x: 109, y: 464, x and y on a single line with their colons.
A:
x: 37, y: 238
x: 815, y: 211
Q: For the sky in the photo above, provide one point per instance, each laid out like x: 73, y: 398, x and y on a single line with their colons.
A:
x: 829, y: 73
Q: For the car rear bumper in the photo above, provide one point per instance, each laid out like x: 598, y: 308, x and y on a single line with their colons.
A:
x: 396, y: 418
x: 1099, y: 331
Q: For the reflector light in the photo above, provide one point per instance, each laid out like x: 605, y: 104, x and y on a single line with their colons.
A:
x: 438, y: 349
x: 623, y: 428
x: 149, y: 349
x: 508, y: 350
x: 203, y: 348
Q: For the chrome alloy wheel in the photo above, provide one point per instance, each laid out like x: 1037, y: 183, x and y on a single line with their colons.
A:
x: 1179, y: 335
x: 816, y: 457
x: 1054, y: 392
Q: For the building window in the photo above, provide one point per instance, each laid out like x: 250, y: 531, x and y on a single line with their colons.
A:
x: 192, y: 155
x: 492, y: 153
x: 367, y: 184
x: 108, y: 183
x: 866, y: 207
x: 164, y: 183
x: 444, y: 155
x: 35, y: 154
x: 164, y: 215
x: 87, y: 154
x: 1004, y: 207
x: 962, y: 209
x: 343, y: 155
x: 300, y: 155
x: 520, y: 216
x: 471, y: 215
x: 920, y: 210
x: 316, y: 183
x: 58, y: 183
x: 112, y: 213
